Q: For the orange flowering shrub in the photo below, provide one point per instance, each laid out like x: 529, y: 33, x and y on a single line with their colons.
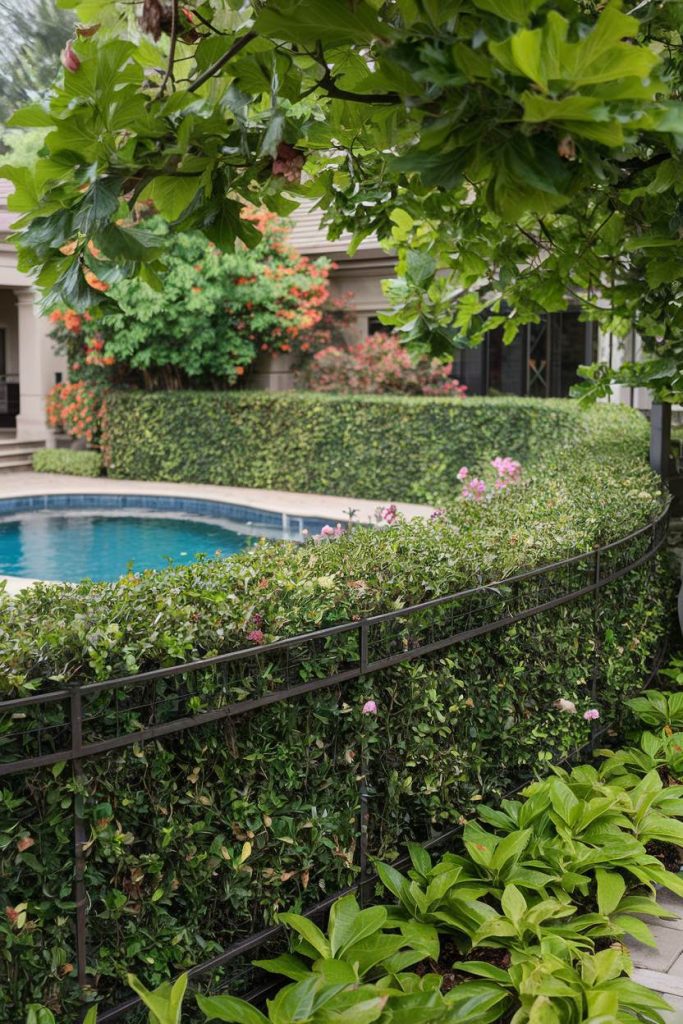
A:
x: 77, y: 408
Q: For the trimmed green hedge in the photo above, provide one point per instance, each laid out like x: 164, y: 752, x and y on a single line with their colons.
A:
x: 389, y: 448
x: 168, y: 823
x: 63, y: 460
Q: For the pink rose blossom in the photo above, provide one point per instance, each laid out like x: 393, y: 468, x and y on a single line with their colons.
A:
x: 338, y: 530
x: 591, y: 714
x: 463, y: 473
x: 327, y: 531
x: 256, y: 636
x: 389, y: 514
x: 369, y: 708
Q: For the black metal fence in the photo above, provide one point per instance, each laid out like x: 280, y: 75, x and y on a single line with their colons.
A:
x: 68, y: 724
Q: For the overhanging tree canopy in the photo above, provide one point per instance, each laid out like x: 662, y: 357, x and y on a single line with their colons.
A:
x: 512, y: 151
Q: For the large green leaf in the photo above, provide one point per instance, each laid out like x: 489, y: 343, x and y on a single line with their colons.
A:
x: 610, y: 889
x: 172, y: 194
x: 228, y: 1008
x: 330, y: 22
x: 165, y: 1003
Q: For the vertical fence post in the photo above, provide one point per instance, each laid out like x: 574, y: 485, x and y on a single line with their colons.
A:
x: 363, y: 779
x: 598, y: 645
x: 660, y: 438
x: 80, y: 895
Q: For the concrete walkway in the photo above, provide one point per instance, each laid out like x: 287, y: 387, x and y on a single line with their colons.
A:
x: 661, y: 969
x: 332, y: 508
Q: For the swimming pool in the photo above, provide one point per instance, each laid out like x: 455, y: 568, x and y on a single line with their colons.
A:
x: 101, y: 537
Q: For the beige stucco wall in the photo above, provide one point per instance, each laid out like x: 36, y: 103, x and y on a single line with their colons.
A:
x: 358, y: 282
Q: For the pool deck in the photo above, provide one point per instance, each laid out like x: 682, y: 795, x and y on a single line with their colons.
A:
x: 319, y: 506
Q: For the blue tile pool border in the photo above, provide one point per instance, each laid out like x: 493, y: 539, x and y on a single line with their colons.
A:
x: 197, y: 508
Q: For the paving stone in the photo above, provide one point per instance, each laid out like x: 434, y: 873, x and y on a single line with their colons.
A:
x: 669, y: 950
x: 675, y: 1015
x: 675, y: 904
x: 665, y: 984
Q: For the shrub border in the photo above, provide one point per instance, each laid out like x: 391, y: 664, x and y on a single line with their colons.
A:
x: 502, y: 596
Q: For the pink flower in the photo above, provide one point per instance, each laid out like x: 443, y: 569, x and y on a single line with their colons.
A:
x: 591, y: 714
x: 463, y: 473
x: 369, y: 708
x: 256, y: 636
x: 438, y: 513
x: 474, y: 488
x: 508, y: 469
x: 389, y: 514
x: 327, y: 531
x: 257, y: 619
x: 70, y: 59
x: 338, y: 530
x: 288, y: 162
x: 565, y: 705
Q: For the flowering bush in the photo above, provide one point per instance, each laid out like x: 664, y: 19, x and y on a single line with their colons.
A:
x: 508, y: 472
x: 76, y: 408
x: 379, y: 365
x: 215, y: 311
x: 212, y: 315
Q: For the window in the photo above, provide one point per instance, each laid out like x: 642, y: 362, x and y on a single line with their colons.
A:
x: 375, y: 326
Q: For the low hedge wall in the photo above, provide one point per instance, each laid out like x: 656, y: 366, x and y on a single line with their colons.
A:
x: 200, y: 838
x: 63, y: 460
x: 389, y: 448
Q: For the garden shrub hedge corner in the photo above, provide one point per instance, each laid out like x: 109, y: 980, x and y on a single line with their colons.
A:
x: 63, y: 460
x: 199, y: 839
x: 388, y: 448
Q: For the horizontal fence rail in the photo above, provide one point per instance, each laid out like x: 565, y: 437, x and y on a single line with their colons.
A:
x: 69, y: 724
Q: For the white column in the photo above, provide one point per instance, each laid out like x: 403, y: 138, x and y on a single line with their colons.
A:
x: 34, y: 355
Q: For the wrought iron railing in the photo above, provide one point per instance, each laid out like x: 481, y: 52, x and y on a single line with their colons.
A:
x: 82, y: 721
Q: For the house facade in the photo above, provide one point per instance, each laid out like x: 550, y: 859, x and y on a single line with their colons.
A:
x: 541, y: 362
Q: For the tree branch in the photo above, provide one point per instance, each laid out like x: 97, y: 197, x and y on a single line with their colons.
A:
x: 171, y: 49
x: 328, y: 84
x: 238, y: 45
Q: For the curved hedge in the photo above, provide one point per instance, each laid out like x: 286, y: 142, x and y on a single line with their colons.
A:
x: 200, y: 838
x: 389, y: 448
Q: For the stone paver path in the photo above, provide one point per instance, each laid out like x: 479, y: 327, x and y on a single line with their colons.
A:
x: 661, y: 969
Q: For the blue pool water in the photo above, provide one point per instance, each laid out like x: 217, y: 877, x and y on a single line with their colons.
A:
x: 104, y: 545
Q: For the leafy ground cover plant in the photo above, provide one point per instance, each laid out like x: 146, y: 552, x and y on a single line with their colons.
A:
x: 61, y: 460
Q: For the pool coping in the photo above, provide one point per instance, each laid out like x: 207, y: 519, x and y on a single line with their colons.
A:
x: 28, y: 488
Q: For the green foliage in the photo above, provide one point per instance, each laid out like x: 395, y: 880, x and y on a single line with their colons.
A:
x: 661, y: 710
x: 518, y: 155
x: 387, y: 448
x: 548, y: 924
x: 62, y: 460
x: 196, y: 840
